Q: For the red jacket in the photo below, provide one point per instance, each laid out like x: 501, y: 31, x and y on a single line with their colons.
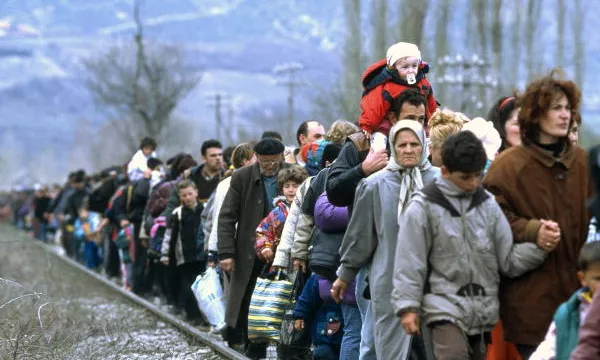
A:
x: 380, y: 87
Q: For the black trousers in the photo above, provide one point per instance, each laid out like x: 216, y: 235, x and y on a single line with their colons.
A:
x: 139, y: 260
x: 111, y: 254
x: 239, y: 334
x: 187, y: 275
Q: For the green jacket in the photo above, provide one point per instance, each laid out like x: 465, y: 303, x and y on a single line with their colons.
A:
x: 566, y: 319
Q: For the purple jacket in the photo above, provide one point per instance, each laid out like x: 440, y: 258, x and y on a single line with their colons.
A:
x: 330, y: 218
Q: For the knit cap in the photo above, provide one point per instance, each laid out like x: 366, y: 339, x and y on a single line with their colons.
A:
x: 401, y: 50
x: 488, y: 135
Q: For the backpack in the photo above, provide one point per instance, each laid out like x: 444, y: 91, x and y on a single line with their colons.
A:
x: 157, y: 235
x: 101, y: 196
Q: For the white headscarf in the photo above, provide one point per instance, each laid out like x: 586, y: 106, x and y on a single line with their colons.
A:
x: 411, y: 177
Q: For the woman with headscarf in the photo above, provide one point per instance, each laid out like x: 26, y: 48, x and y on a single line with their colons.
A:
x: 373, y: 228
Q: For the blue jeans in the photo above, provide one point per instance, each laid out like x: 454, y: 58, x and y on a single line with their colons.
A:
x: 367, y: 335
x: 41, y: 231
x: 92, y: 257
x: 352, y: 326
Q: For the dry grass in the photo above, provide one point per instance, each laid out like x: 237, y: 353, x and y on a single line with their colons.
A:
x: 50, y: 311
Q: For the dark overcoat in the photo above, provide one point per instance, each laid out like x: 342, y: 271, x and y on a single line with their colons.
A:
x: 243, y: 205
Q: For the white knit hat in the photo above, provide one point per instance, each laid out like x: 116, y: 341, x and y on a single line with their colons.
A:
x: 401, y: 50
x: 484, y: 130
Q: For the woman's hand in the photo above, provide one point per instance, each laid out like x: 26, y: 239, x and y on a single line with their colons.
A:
x: 548, y: 235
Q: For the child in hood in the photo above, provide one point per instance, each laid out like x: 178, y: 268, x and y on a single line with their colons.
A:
x: 316, y: 309
x: 268, y: 232
x: 385, y: 80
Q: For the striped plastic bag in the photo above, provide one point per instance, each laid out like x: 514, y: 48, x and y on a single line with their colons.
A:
x: 271, y: 295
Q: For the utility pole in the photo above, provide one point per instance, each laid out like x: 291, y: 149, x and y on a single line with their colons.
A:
x: 217, y: 101
x: 231, y: 122
x: 291, y: 81
x: 467, y: 82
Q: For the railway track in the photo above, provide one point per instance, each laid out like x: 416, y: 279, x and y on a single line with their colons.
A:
x: 212, y: 347
x: 190, y: 330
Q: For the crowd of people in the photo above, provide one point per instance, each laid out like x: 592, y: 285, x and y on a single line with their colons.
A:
x: 419, y: 233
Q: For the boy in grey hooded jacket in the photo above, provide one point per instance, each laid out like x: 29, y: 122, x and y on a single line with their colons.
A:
x: 453, y: 244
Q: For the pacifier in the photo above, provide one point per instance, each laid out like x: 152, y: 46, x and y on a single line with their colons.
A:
x: 411, y: 79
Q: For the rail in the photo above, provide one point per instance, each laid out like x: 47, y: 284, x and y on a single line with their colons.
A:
x: 204, y: 338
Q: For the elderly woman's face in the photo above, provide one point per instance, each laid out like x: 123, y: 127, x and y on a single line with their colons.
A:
x: 408, y: 148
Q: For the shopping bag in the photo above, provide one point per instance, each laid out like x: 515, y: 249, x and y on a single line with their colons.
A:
x: 209, y: 295
x: 294, y: 344
x: 270, y: 298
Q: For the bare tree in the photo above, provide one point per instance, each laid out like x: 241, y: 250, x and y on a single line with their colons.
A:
x: 334, y: 102
x: 480, y: 10
x: 442, y: 42
x: 140, y: 89
x: 560, y: 35
x: 412, y: 21
x: 532, y: 21
x: 497, y: 33
x: 342, y: 99
x: 379, y: 23
x: 579, y: 53
x: 516, y: 41
x: 353, y: 52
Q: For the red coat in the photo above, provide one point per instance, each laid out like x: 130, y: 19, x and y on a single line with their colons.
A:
x: 381, y: 86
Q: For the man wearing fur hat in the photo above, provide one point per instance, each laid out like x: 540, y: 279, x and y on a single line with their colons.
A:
x: 248, y: 201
